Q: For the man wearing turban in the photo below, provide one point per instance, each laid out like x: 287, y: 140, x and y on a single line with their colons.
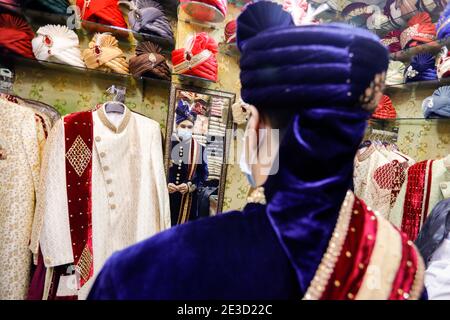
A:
x: 188, y: 170
x: 313, y: 238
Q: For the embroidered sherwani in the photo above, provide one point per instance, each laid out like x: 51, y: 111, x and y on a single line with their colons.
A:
x: 426, y: 184
x: 129, y: 197
x: 19, y: 175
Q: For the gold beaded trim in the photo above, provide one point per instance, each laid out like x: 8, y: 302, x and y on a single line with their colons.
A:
x: 326, y: 267
x: 104, y: 119
x: 417, y: 288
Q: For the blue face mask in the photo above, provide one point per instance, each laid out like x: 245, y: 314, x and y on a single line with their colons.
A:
x: 184, y: 134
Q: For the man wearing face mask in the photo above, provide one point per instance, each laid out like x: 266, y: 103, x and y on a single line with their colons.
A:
x: 188, y: 170
x: 313, y: 239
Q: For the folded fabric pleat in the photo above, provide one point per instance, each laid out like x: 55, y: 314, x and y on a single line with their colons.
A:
x: 15, y: 35
x: 149, y: 62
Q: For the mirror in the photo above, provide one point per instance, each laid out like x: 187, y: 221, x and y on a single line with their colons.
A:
x: 197, y: 140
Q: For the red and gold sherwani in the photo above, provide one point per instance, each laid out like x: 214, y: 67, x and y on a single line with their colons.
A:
x: 367, y: 258
x: 102, y: 188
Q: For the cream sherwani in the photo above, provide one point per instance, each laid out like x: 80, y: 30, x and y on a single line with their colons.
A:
x: 19, y: 176
x: 130, y: 201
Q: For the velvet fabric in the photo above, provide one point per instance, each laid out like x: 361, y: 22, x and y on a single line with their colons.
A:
x: 55, y: 6
x: 443, y: 24
x: 234, y: 255
x: 80, y: 126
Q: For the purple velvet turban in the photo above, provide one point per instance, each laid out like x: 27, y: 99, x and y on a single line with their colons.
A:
x: 330, y: 76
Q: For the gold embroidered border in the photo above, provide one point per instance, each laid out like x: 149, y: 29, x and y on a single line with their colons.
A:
x: 418, y: 285
x: 384, y: 263
x: 326, y: 267
x: 104, y: 119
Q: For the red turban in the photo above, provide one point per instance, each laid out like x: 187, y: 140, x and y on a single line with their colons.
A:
x: 204, y: 14
x: 106, y: 12
x: 420, y: 30
x: 16, y: 35
x: 230, y: 31
x: 198, y: 58
x: 385, y: 109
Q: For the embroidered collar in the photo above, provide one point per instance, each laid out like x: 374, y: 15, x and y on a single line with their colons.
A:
x: 105, y: 120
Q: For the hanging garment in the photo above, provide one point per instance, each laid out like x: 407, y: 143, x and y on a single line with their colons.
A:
x: 426, y: 184
x: 19, y: 176
x: 102, y: 188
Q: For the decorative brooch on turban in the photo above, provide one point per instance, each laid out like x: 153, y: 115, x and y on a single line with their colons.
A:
x: 422, y: 68
x: 104, y: 54
x: 55, y: 6
x: 149, y: 62
x: 420, y: 30
x: 147, y: 16
x: 230, y: 31
x: 438, y: 105
x: 392, y: 41
x: 59, y: 44
x: 183, y: 112
x: 443, y: 24
x: 106, y: 12
x: 395, y: 73
x: 15, y: 35
x: 205, y: 10
x: 385, y: 109
x: 443, y: 63
x: 198, y: 58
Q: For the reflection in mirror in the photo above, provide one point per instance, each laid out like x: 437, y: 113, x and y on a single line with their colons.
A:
x: 195, y: 152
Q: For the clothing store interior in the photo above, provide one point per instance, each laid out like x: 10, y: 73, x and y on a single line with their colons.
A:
x: 224, y: 149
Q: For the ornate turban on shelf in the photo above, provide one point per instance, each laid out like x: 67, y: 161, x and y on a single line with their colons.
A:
x: 420, y: 30
x: 443, y: 64
x: 392, y: 41
x: 422, y: 68
x: 104, y: 54
x: 15, y: 35
x: 59, y: 44
x: 357, y: 13
x: 106, y: 12
x: 230, y: 32
x: 396, y: 73
x: 385, y: 109
x: 198, y: 58
x: 438, y: 105
x: 149, y: 62
x: 443, y: 24
x: 147, y: 16
x: 183, y: 113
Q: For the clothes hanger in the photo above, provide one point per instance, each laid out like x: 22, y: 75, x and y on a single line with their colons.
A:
x: 116, y: 105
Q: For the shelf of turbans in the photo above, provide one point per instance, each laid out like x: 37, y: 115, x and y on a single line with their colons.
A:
x: 416, y: 99
x: 128, y: 42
